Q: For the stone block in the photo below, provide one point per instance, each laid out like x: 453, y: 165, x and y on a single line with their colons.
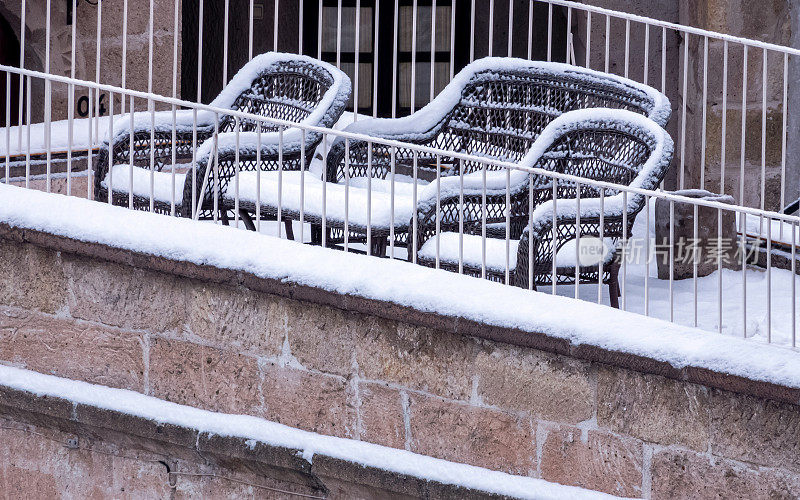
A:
x: 68, y: 349
x: 597, y: 461
x: 32, y: 277
x: 418, y: 358
x: 547, y: 385
x: 125, y: 297
x: 755, y: 430
x: 474, y: 435
x: 320, y: 337
x: 311, y: 401
x: 381, y: 419
x: 684, y: 474
x: 204, y: 377
x: 704, y: 248
x: 653, y: 408
x: 235, y: 319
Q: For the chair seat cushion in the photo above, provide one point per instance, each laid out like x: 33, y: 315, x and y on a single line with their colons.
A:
x: 357, y: 195
x: 496, y: 252
x: 120, y: 177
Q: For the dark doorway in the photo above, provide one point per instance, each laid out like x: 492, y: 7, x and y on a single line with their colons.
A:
x: 9, y: 56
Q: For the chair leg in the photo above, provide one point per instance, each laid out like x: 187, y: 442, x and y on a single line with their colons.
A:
x: 248, y: 221
x: 287, y: 223
x: 613, y: 287
x: 379, y: 247
x: 316, y: 234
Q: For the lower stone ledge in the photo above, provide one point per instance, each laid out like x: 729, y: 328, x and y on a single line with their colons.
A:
x: 188, y: 453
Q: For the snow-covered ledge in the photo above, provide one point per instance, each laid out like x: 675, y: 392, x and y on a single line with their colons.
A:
x: 399, y: 290
x: 393, y: 354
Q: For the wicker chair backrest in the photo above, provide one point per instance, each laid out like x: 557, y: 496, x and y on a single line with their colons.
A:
x: 501, y: 113
x: 287, y: 90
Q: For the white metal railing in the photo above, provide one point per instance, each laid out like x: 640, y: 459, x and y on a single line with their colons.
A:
x: 737, y: 297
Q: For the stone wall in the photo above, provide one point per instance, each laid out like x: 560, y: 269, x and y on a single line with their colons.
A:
x: 506, y: 400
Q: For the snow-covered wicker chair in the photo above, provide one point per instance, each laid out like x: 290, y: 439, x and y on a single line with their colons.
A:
x: 494, y: 108
x: 615, y: 146
x: 275, y: 85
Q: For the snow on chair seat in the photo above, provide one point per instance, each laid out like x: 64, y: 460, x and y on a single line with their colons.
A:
x: 273, y: 85
x: 469, y: 250
x: 288, y: 184
x: 163, y: 190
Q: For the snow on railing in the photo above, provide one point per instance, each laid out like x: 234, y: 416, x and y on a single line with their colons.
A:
x: 380, y: 215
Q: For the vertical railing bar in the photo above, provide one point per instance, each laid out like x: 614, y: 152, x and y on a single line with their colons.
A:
x: 719, y: 270
x: 413, y: 54
x: 394, y: 63
x: 664, y: 60
x: 491, y: 28
x: 671, y: 259
x: 433, y: 50
x: 744, y: 128
x: 705, y: 115
x: 124, y: 62
x: 319, y: 31
x: 258, y: 179
x: 530, y: 30
x: 300, y: 9
x: 509, y: 52
x: 769, y: 277
x: 549, y: 32
x: 324, y: 236
x: 250, y: 31
x: 150, y: 51
x: 346, y: 194
x: 568, y: 42
x: 588, y: 39
x: 97, y: 69
x: 28, y: 132
x: 110, y: 150
x: 48, y: 89
x: 225, y: 44
x: 71, y: 96
x: 627, y: 45
x: 647, y: 257
x: 369, y: 198
x: 89, y: 191
x: 376, y: 53
x: 130, y: 154
x: 530, y: 231
x: 554, y: 238
x: 461, y: 219
x: 199, y: 55
x: 151, y: 107
x: 508, y: 225
x: 193, y: 173
x: 215, y: 162
x: 276, y: 17
x: 438, y: 209
x: 624, y: 302
x: 763, y: 131
x: 602, y: 246
x: 279, y: 215
x: 794, y: 287
x: 339, y: 35
x: 414, y: 218
x: 452, y: 40
x: 22, y: 80
x: 646, y: 64
x: 577, y: 238
x: 471, y: 32
x: 8, y: 127
x: 744, y: 273
x: 392, y: 165
x: 483, y: 220
x: 783, y: 134
x: 357, y: 53
x: 695, y: 250
x: 237, y: 127
x: 608, y: 41
x: 681, y: 182
x: 302, y: 182
x: 724, y: 115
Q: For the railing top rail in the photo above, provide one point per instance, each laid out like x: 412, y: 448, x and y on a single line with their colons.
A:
x: 674, y: 26
x: 399, y: 144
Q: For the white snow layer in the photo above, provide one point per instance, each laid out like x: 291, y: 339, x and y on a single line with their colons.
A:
x: 398, y: 282
x: 275, y: 434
